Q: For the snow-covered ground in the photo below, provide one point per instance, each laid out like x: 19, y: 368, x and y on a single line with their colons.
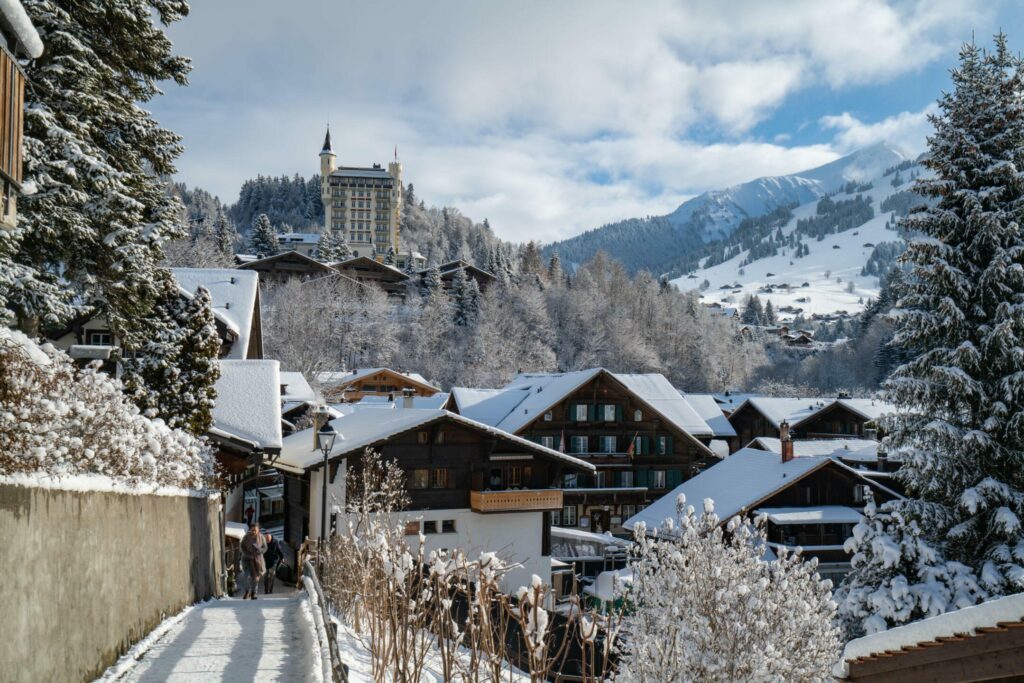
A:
x: 831, y: 265
x: 268, y: 639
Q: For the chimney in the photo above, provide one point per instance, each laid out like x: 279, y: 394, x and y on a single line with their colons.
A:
x: 787, y: 442
x: 407, y: 395
x: 320, y: 417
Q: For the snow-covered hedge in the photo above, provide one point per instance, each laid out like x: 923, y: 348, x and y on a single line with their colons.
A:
x: 58, y: 420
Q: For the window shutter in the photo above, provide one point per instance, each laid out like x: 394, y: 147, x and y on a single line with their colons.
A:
x: 641, y: 478
x: 668, y: 445
x: 645, y: 445
x: 591, y: 412
x: 572, y: 412
x: 674, y: 478
x: 618, y: 413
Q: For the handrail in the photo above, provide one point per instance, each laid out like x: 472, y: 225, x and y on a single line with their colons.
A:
x: 339, y: 672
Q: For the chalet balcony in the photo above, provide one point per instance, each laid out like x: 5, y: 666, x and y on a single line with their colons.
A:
x: 512, y: 500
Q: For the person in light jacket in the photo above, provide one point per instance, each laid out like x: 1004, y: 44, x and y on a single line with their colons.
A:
x: 253, y: 547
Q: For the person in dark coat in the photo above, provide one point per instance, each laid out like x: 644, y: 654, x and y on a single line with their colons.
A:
x: 253, y: 547
x: 272, y: 558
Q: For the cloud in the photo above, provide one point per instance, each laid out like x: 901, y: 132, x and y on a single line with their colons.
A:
x: 512, y: 110
x: 908, y: 130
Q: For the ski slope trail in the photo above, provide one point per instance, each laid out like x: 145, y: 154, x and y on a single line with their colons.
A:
x: 234, y: 640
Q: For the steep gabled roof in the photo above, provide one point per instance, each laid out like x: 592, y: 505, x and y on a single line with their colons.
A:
x: 803, y: 447
x: 657, y: 392
x: 367, y: 428
x: 489, y: 406
x: 285, y: 256
x: 371, y: 263
x: 234, y: 293
x: 338, y: 380
x: 796, y: 411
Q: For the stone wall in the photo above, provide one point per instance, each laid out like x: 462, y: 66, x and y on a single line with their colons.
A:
x: 87, y: 574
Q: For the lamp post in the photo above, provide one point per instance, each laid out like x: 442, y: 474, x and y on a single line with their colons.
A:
x: 327, y: 436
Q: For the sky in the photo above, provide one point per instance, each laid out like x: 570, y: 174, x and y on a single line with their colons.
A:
x: 551, y: 118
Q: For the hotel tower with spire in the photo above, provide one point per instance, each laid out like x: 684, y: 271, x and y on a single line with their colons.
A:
x: 363, y: 204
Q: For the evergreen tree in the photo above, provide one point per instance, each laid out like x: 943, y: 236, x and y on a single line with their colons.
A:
x: 172, y: 374
x: 263, y: 239
x: 752, y: 313
x: 90, y: 237
x: 555, y: 268
x: 325, y: 247
x: 225, y: 234
x: 389, y: 259
x: 432, y: 280
x: 466, y: 295
x: 959, y: 425
x: 769, y: 314
x: 342, y: 251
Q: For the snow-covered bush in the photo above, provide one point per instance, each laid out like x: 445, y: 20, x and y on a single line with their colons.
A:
x: 709, y: 607
x: 58, y: 420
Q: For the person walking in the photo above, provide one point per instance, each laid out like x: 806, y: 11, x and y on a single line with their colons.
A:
x: 272, y: 558
x: 253, y: 547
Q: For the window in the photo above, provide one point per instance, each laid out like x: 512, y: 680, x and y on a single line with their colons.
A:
x: 579, y: 444
x: 607, y: 444
x: 858, y: 493
x: 495, y: 480
x: 628, y: 510
x: 547, y: 441
x: 638, y: 415
x: 556, y: 517
x: 440, y: 478
x: 439, y: 438
x: 662, y: 445
x: 581, y: 412
x: 419, y: 479
x: 638, y: 445
x: 430, y: 527
x: 571, y: 480
x: 412, y: 528
x: 548, y: 416
x: 626, y: 479
x: 600, y: 479
x: 569, y: 515
x: 515, y: 475
x: 609, y: 413
x: 423, y: 437
x: 657, y: 479
x: 448, y: 526
x: 99, y: 338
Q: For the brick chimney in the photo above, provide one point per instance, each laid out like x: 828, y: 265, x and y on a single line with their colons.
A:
x: 407, y: 396
x: 787, y: 442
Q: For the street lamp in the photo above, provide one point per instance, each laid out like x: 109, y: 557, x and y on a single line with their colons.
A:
x: 326, y: 435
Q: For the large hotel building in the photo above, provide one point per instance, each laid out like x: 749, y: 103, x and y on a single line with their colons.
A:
x: 363, y: 204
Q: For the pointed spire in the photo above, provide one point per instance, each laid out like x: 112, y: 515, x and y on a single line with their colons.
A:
x: 327, y: 142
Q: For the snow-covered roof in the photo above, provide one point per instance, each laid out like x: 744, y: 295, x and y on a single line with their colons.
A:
x: 298, y: 237
x: 730, y: 401
x: 436, y: 401
x: 838, y: 447
x: 797, y: 410
x: 489, y: 406
x: 17, y: 19
x: 588, y: 536
x: 248, y: 403
x: 296, y: 388
x: 235, y: 530
x: 823, y: 514
x: 869, y: 408
x: 360, y: 172
x: 363, y: 428
x: 710, y: 411
x: 540, y: 391
x: 658, y: 392
x: 335, y: 380
x: 736, y: 484
x: 234, y: 299
x: 962, y: 622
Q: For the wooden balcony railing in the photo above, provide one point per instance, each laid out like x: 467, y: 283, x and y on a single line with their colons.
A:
x: 525, y: 500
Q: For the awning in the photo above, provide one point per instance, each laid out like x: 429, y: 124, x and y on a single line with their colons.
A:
x: 825, y: 514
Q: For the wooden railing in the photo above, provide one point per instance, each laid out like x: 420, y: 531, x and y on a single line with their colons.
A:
x: 515, y: 501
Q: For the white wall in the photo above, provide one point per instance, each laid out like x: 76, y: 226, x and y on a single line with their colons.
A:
x: 515, y: 537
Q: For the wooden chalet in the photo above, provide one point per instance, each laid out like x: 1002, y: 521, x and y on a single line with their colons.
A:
x: 469, y: 485
x: 288, y: 265
x: 354, y: 386
x: 640, y: 434
x: 980, y: 643
x: 811, y: 502
x: 809, y: 418
x: 448, y: 270
x: 367, y: 270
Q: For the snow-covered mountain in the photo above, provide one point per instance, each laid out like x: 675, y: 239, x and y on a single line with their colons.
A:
x: 669, y: 244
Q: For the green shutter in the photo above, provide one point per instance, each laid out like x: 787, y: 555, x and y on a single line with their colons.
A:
x: 641, y: 477
x: 673, y: 478
x: 591, y: 412
x: 645, y: 445
x: 618, y: 413
x: 668, y: 445
x: 572, y: 412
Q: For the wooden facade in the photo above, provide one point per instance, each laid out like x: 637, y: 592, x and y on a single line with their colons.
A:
x: 367, y: 270
x: 450, y: 465
x: 831, y: 422
x: 288, y: 265
x: 599, y: 422
x: 12, y: 121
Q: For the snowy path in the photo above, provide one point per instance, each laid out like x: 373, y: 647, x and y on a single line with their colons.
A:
x: 266, y: 639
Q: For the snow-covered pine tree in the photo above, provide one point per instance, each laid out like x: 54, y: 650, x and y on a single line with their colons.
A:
x: 769, y: 313
x: 263, y: 240
x: 466, y: 296
x: 225, y: 234
x: 555, y: 268
x: 432, y: 280
x: 959, y: 425
x: 93, y: 230
x: 172, y: 374
x: 752, y: 313
x: 342, y: 251
x: 389, y: 259
x: 325, y: 249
